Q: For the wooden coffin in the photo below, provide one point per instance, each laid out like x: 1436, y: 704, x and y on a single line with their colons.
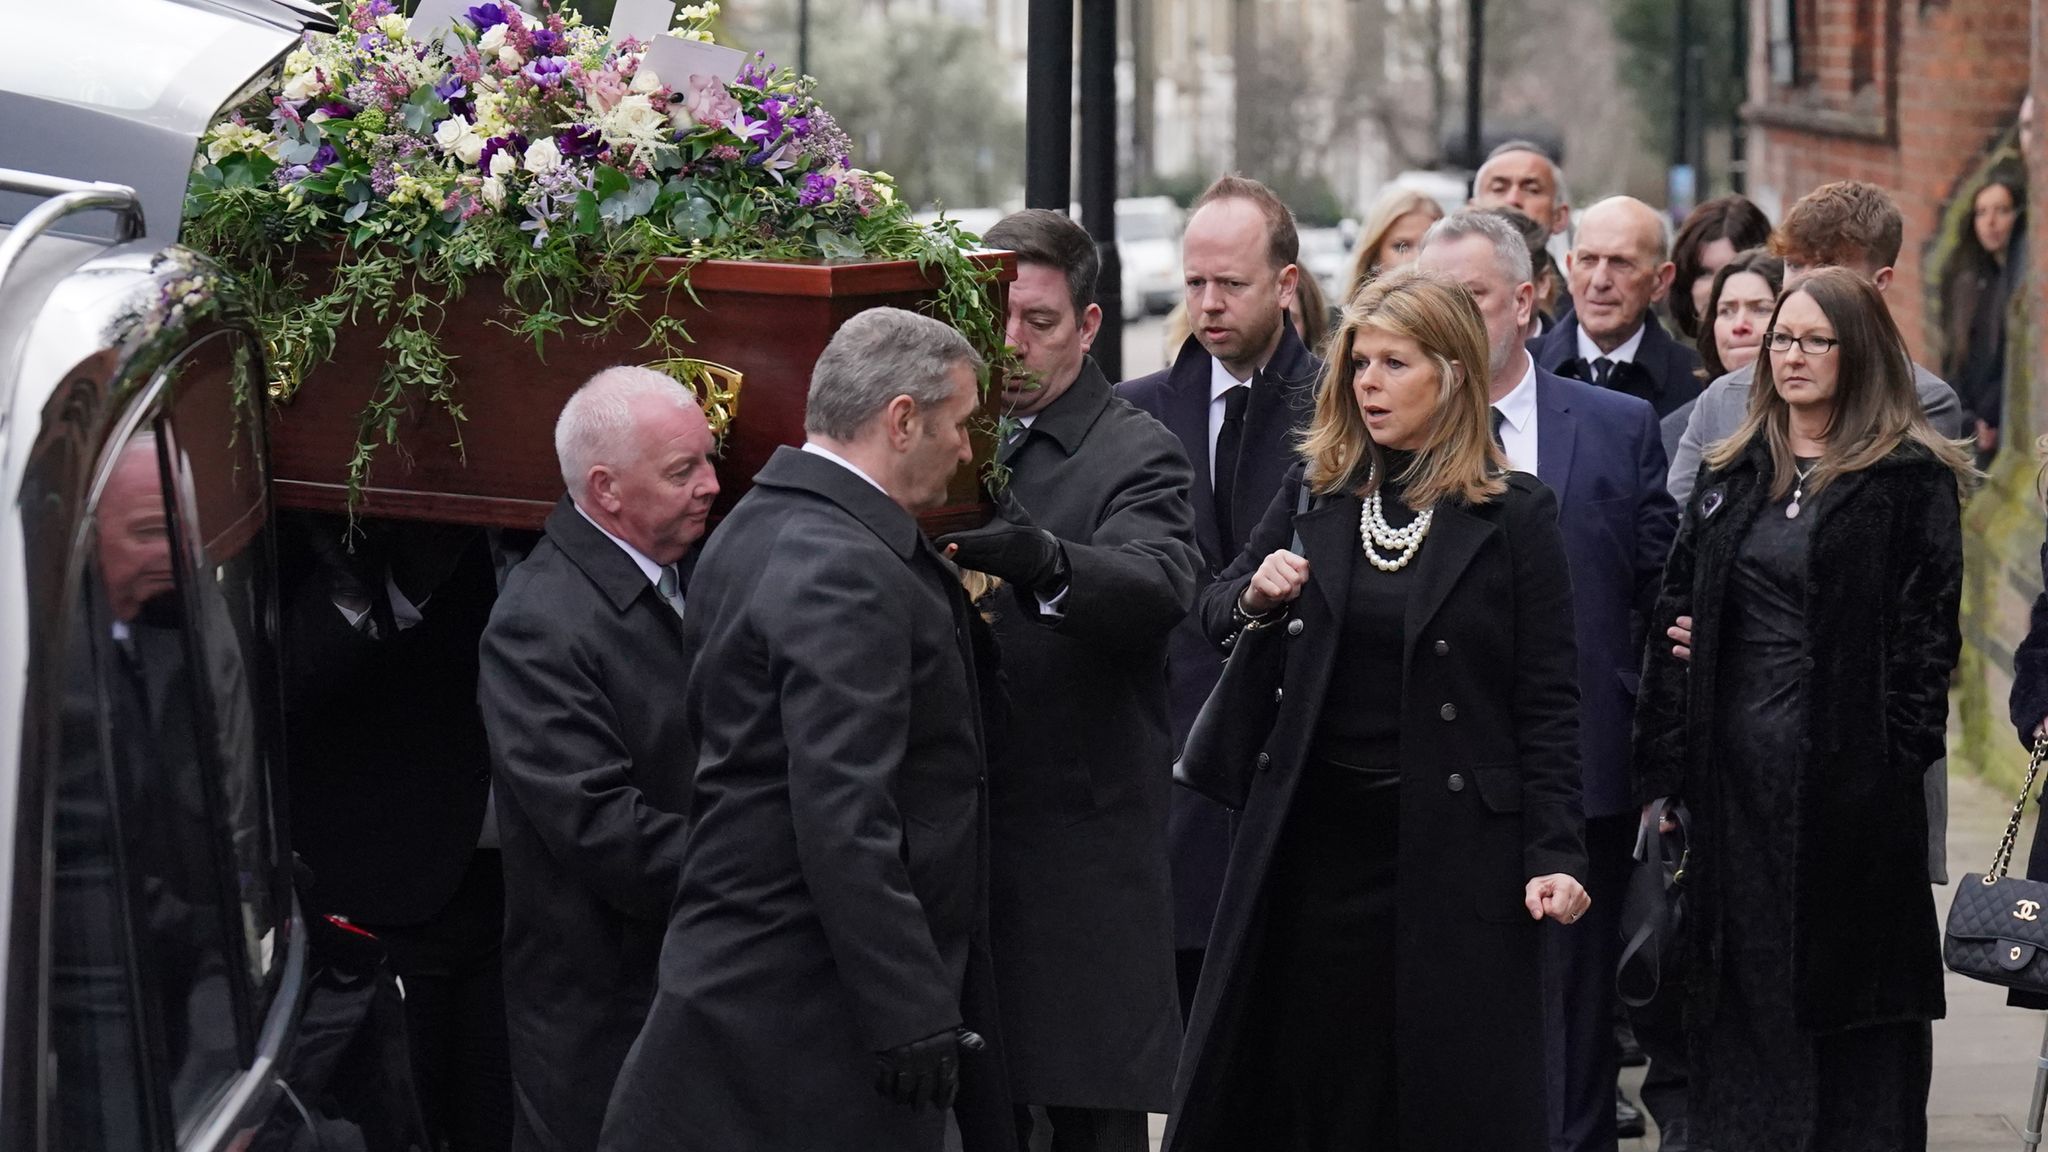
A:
x: 768, y: 321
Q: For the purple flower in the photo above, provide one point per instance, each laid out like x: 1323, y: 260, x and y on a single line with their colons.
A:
x: 485, y: 17
x: 755, y: 71
x: 451, y: 89
x: 579, y: 141
x: 818, y: 189
x: 383, y: 177
x: 292, y: 174
x: 497, y: 144
x: 547, y: 42
x: 336, y: 110
x: 369, y: 42
x: 546, y: 72
x: 382, y: 8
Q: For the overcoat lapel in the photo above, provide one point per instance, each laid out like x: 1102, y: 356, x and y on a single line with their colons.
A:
x: 1455, y: 537
x: 1556, y: 435
x: 1329, y: 537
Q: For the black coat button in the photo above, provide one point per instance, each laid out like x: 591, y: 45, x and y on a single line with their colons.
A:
x: 1294, y: 627
x: 1264, y: 761
x: 1448, y: 711
x: 1442, y: 647
x: 1456, y: 783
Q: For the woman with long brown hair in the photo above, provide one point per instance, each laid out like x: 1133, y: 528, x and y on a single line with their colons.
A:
x: 1416, y: 809
x: 1819, y: 569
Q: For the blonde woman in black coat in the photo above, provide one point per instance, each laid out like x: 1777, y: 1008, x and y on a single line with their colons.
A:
x: 1819, y: 570
x: 1416, y: 811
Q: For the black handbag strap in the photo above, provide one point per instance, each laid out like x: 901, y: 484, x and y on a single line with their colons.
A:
x: 2003, y: 861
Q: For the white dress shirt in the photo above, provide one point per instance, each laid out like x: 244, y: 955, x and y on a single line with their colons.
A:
x: 1220, y: 382
x: 1518, y: 423
x: 843, y: 462
x: 1626, y: 354
x: 640, y: 559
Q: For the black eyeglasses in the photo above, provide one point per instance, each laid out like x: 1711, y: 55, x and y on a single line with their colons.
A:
x: 1810, y: 344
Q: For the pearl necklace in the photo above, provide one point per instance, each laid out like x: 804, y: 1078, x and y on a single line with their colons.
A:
x: 1373, y: 529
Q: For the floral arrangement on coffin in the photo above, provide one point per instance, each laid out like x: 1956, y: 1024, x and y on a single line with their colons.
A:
x: 533, y: 148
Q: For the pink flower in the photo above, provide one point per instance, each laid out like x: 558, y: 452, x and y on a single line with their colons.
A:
x: 604, y: 89
x: 709, y: 102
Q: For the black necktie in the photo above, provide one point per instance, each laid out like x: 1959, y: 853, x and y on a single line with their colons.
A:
x: 1602, y: 369
x: 1498, y: 418
x: 1229, y: 441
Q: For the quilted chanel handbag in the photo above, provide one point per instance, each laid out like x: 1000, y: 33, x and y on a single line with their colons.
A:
x: 1998, y: 925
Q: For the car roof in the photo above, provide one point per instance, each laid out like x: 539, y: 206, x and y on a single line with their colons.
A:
x: 122, y: 91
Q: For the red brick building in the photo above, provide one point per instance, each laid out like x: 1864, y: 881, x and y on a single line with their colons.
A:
x: 1922, y: 96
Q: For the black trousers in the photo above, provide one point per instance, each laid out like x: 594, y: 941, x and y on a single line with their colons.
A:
x: 450, y: 966
x: 1053, y: 1129
x: 1579, y: 961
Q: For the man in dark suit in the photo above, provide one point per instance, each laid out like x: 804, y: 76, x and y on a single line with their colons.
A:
x: 583, y: 662
x: 390, y: 788
x: 1620, y: 265
x: 1242, y: 385
x: 826, y: 948
x: 1601, y: 453
x: 1097, y: 552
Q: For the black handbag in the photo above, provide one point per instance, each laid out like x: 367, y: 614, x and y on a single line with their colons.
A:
x: 1653, y: 909
x: 1998, y: 924
x: 1222, y: 751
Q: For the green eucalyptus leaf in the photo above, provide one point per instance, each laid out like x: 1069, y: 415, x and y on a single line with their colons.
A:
x: 837, y: 245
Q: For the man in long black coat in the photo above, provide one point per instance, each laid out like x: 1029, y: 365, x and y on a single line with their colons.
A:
x: 827, y: 941
x: 1097, y: 551
x: 1240, y: 389
x: 582, y: 666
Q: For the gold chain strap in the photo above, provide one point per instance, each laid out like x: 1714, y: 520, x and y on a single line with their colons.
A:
x: 2019, y: 809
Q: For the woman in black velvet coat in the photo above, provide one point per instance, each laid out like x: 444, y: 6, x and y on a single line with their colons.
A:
x: 1819, y: 567
x: 1373, y: 975
x: 2030, y: 718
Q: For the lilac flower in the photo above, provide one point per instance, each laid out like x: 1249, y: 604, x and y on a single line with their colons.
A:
x: 818, y: 189
x: 547, y: 42
x: 825, y: 141
x: 497, y: 144
x: 323, y: 158
x: 546, y: 72
x: 485, y: 17
x: 579, y: 141
x: 382, y: 7
x: 723, y: 154
x: 383, y: 177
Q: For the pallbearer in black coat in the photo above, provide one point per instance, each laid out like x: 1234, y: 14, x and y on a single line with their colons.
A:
x: 1241, y: 388
x: 1416, y: 807
x: 827, y: 943
x: 1097, y: 550
x: 583, y: 664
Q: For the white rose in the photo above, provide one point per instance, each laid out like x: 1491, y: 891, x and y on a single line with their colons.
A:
x: 299, y: 61
x: 503, y: 164
x: 470, y: 148
x: 636, y: 116
x: 645, y: 81
x: 494, y: 188
x: 510, y: 59
x: 449, y: 133
x: 492, y: 40
x: 392, y: 26
x: 543, y: 156
x: 303, y: 86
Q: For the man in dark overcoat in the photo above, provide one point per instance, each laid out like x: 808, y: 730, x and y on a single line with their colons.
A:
x: 1601, y: 452
x: 1097, y: 553
x: 826, y: 948
x: 582, y: 663
x: 1618, y: 268
x: 1240, y: 389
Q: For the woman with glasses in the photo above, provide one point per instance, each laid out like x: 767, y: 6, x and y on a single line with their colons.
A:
x: 1820, y: 562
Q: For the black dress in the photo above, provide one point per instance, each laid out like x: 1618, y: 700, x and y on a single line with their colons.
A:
x: 1326, y: 967
x: 1762, y: 1083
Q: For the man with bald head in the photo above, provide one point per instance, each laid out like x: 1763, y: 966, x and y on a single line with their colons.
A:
x: 1242, y: 385
x: 1618, y: 267
x: 584, y: 663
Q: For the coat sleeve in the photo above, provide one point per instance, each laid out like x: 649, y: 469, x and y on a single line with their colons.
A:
x: 1656, y: 513
x: 1926, y: 633
x: 1133, y: 579
x: 1685, y: 463
x: 1660, y: 729
x: 557, y: 754
x: 1274, y: 532
x: 1546, y: 695
x: 839, y: 649
x: 2029, y: 702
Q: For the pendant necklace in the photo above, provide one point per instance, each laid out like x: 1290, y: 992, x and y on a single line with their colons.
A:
x: 1799, y: 489
x: 1377, y: 534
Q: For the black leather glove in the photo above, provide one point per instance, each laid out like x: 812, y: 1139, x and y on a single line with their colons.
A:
x: 925, y: 1071
x: 1011, y: 547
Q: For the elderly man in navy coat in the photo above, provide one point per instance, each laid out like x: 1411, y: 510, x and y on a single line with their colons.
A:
x: 582, y: 661
x: 1601, y: 452
x: 1620, y: 265
x: 1242, y: 385
x: 828, y: 940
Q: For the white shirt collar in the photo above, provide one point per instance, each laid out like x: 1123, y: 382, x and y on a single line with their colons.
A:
x: 1220, y: 380
x: 647, y: 566
x: 1520, y: 403
x: 1626, y: 354
x: 843, y: 462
